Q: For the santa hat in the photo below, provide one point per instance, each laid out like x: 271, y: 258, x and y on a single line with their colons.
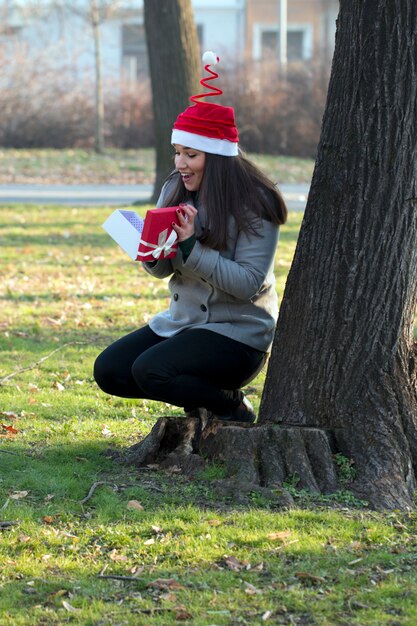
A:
x: 206, y: 126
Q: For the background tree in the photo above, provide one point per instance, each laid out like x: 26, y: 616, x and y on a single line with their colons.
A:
x: 94, y: 12
x: 344, y: 355
x: 342, y: 377
x: 175, y: 68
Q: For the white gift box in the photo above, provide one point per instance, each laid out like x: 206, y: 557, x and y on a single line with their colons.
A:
x: 125, y: 227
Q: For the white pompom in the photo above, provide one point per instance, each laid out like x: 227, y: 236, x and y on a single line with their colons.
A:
x: 210, y: 58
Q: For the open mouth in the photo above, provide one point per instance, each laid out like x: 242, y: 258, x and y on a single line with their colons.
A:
x: 186, y: 177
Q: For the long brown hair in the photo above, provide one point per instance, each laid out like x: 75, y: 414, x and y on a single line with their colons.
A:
x: 232, y: 186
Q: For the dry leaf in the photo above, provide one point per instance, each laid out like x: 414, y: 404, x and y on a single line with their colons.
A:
x: 308, y: 576
x: 9, y: 414
x: 165, y: 583
x: 182, y: 614
x: 106, y: 432
x: 69, y: 607
x: 48, y: 519
x: 169, y: 597
x: 266, y: 615
x: 9, y: 429
x: 115, y: 556
x: 57, y: 594
x: 214, y: 522
x: 235, y: 565
x: 17, y: 495
x: 149, y: 542
x: 251, y: 590
x: 281, y: 535
x: 157, y: 530
x: 135, y: 504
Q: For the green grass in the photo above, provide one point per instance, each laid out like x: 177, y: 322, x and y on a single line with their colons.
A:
x: 78, y: 166
x: 67, y: 287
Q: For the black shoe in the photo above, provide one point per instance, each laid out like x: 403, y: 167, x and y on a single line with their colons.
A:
x: 243, y: 413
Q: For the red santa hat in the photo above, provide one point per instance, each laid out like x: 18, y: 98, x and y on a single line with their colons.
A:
x: 206, y: 126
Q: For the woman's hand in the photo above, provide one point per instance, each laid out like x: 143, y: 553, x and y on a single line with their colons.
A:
x: 186, y: 216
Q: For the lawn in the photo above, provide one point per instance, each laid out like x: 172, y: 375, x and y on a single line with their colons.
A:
x: 182, y: 554
x: 119, y: 167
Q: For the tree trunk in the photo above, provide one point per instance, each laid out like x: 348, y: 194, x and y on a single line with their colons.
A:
x: 342, y: 376
x: 174, y: 62
x: 99, y: 102
x: 344, y: 357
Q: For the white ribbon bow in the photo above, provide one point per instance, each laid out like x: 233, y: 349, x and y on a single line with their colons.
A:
x: 165, y: 244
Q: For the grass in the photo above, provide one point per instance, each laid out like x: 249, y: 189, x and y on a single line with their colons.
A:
x: 76, y: 166
x: 186, y: 556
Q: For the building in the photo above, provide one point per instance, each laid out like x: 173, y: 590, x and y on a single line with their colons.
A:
x: 238, y: 30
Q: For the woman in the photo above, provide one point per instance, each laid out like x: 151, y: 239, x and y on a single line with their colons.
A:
x: 216, y: 335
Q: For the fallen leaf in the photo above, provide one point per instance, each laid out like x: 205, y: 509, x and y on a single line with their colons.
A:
x: 165, y: 584
x: 115, y: 556
x: 234, y: 564
x: 251, y: 589
x: 169, y: 597
x: 135, y: 504
x: 17, y: 495
x: 280, y: 535
x: 157, y: 530
x: 266, y: 615
x: 58, y: 385
x: 214, y: 522
x: 9, y: 429
x: 9, y: 414
x: 48, y: 519
x: 57, y: 594
x: 149, y: 542
x: 308, y: 576
x: 106, y: 432
x: 69, y: 607
x: 182, y: 614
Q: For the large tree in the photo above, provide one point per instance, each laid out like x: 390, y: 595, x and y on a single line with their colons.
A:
x: 344, y: 355
x: 342, y: 377
x: 175, y: 68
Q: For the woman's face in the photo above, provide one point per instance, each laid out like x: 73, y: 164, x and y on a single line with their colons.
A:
x: 190, y: 164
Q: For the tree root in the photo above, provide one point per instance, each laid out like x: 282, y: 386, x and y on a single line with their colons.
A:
x: 256, y: 458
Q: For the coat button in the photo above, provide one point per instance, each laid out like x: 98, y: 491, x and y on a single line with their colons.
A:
x: 175, y: 296
x: 203, y: 307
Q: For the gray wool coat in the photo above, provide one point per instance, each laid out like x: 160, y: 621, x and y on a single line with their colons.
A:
x: 231, y: 292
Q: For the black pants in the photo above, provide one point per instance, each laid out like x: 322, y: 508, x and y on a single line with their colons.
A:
x: 195, y: 368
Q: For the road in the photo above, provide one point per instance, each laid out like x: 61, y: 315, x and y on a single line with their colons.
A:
x: 111, y: 195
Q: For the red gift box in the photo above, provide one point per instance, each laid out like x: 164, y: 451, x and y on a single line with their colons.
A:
x: 159, y: 239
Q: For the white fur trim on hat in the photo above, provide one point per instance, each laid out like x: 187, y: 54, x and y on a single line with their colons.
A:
x: 205, y: 144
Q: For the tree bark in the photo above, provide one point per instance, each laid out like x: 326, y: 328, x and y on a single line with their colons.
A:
x: 344, y: 356
x: 175, y: 69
